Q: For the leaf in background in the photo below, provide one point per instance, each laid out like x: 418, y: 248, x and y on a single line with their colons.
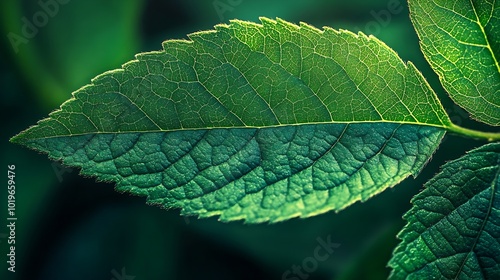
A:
x: 461, y: 41
x: 453, y: 229
x: 255, y: 122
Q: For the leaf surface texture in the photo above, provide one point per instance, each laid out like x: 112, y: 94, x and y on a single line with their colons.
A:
x: 453, y: 229
x: 461, y: 41
x: 261, y: 122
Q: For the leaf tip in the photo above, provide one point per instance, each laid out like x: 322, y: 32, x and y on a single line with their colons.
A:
x: 22, y: 137
x: 17, y: 139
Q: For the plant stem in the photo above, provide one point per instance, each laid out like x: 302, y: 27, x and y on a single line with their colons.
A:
x: 489, y: 136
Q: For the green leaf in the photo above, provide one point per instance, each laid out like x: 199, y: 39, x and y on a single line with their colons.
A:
x: 461, y: 41
x: 256, y: 122
x: 453, y: 229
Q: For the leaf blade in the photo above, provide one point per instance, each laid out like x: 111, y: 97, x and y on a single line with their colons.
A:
x: 124, y: 93
x: 268, y: 174
x: 461, y: 41
x: 452, y: 229
x: 270, y: 79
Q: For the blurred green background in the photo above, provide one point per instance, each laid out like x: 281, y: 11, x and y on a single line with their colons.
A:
x: 70, y: 227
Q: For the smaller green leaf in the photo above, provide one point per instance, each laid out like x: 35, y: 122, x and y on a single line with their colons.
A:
x: 453, y: 228
x: 461, y: 41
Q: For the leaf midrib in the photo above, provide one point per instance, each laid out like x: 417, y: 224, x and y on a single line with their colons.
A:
x: 442, y: 126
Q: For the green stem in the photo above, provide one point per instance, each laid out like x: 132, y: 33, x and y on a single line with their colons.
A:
x: 490, y: 136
